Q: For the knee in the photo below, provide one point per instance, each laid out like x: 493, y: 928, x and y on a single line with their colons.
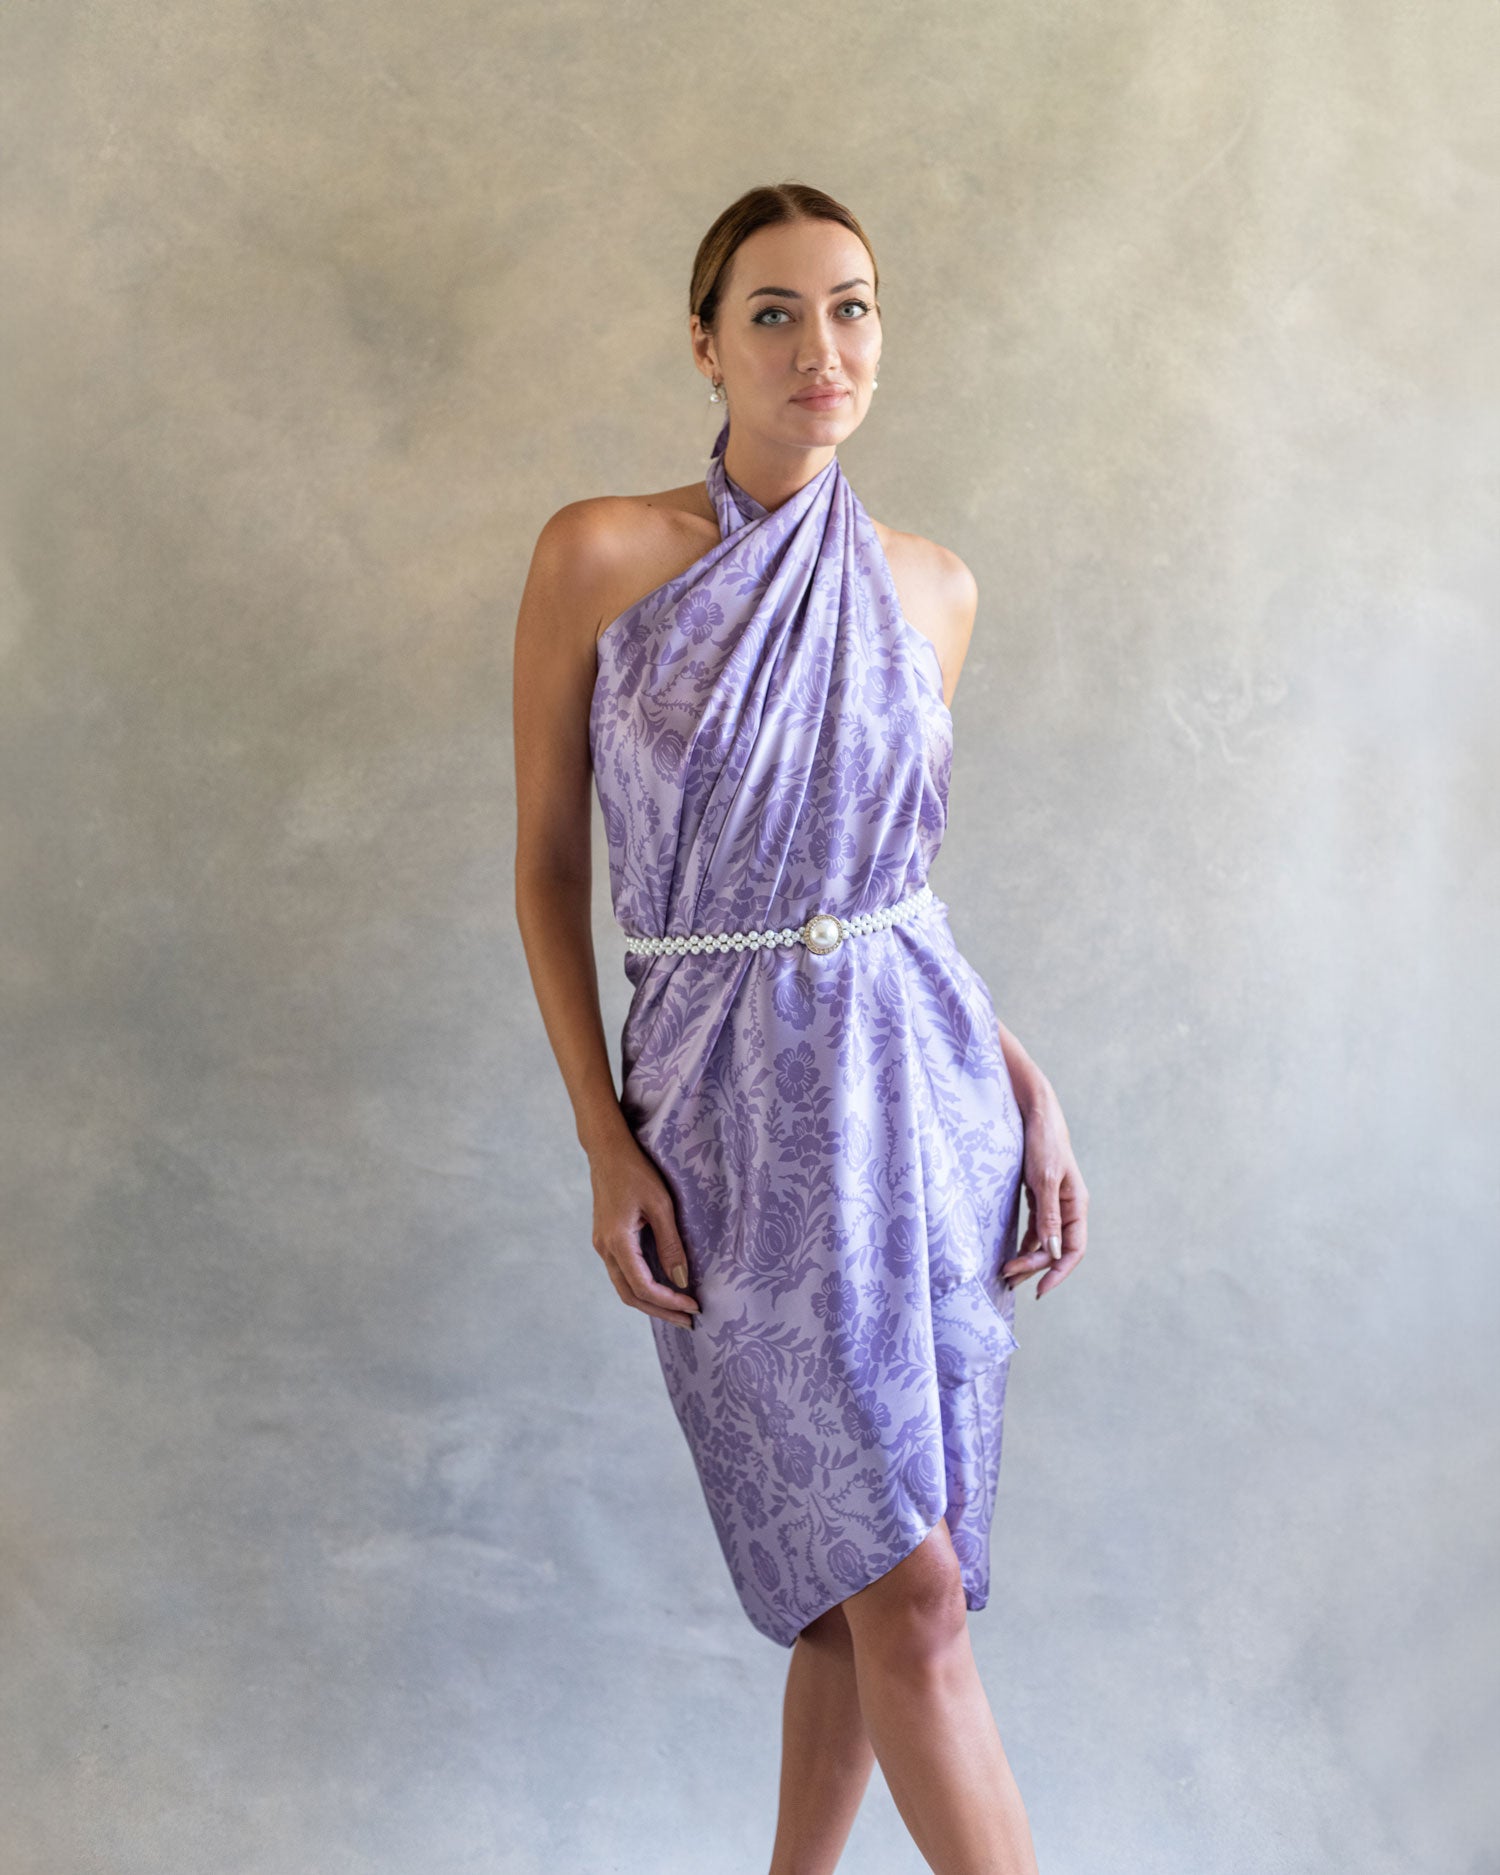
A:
x: 912, y: 1615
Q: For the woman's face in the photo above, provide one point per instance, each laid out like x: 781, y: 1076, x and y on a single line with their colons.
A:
x: 796, y: 310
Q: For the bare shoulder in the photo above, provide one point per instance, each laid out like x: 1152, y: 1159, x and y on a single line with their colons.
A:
x: 592, y: 560
x: 607, y: 551
x: 939, y: 594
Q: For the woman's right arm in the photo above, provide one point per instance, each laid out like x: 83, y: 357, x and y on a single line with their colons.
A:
x: 554, y: 671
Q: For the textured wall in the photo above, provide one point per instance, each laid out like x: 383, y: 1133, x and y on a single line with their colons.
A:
x: 346, y: 1527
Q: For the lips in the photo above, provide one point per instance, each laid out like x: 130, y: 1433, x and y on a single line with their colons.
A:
x: 826, y: 394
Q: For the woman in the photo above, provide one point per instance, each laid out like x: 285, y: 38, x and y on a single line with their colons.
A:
x: 811, y: 1179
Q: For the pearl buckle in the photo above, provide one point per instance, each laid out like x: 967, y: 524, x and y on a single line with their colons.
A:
x: 823, y: 932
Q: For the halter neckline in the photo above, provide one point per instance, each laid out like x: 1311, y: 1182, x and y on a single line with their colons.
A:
x: 736, y: 507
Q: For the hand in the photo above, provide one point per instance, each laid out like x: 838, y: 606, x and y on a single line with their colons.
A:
x: 628, y: 1194
x: 1058, y: 1198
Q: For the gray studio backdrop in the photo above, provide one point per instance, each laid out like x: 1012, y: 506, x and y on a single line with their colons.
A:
x: 344, y: 1525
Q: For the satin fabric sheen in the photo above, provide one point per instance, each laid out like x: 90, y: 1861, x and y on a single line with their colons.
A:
x: 839, y: 1133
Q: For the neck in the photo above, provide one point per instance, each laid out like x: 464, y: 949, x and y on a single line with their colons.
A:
x: 772, y: 473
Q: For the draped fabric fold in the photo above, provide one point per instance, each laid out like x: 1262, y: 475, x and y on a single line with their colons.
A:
x: 839, y: 1132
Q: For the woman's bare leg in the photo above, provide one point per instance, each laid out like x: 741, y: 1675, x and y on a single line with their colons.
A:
x: 926, y: 1714
x: 826, y: 1754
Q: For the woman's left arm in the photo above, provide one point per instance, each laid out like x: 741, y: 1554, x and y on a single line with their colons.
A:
x: 1056, y: 1233
x: 1057, y: 1230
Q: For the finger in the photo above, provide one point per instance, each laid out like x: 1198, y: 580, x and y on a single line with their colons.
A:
x: 1075, y: 1234
x: 1047, y: 1211
x: 1043, y: 1205
x: 628, y: 1297
x: 1059, y: 1272
x: 1031, y: 1236
x: 622, y: 1288
x: 662, y: 1216
x: 1075, y: 1242
x: 1019, y: 1269
x: 644, y: 1286
x: 1028, y: 1254
x: 1075, y: 1219
x: 674, y: 1316
x: 1056, y: 1274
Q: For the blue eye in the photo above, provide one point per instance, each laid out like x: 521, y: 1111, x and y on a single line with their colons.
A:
x: 760, y: 317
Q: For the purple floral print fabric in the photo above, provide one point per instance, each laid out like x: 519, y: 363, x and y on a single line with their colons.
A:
x: 839, y: 1132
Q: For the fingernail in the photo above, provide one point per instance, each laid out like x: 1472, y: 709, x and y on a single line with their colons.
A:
x: 679, y: 1276
x: 1054, y: 1248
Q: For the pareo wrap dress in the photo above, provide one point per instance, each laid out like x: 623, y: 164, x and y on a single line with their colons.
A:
x: 839, y: 1132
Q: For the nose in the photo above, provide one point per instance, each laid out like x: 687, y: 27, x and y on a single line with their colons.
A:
x: 819, y: 347
x: 818, y: 362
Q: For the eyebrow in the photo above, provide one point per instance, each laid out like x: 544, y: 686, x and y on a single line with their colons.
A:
x: 786, y: 292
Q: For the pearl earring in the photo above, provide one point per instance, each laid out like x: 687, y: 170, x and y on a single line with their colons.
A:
x: 716, y: 395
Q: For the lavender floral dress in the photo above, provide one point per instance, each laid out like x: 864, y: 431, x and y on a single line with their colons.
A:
x: 839, y: 1132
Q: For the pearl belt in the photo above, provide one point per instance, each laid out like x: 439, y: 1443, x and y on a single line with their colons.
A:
x: 824, y: 931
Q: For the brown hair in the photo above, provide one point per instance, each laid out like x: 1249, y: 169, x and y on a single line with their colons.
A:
x: 761, y: 208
